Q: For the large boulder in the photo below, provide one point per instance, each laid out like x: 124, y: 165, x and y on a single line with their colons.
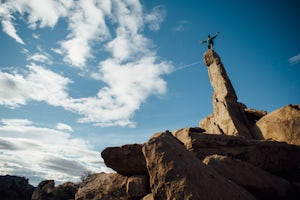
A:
x: 126, y: 160
x: 228, y: 116
x: 276, y: 157
x: 176, y: 173
x: 15, y: 187
x: 281, y: 125
x: 259, y: 182
x: 112, y: 186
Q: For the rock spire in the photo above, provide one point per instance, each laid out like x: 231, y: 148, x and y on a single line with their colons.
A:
x: 229, y: 116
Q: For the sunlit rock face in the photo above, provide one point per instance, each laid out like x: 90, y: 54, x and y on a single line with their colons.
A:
x: 228, y: 116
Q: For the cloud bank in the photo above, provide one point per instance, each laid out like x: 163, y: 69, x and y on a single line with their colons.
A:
x: 45, y: 153
x: 130, y: 72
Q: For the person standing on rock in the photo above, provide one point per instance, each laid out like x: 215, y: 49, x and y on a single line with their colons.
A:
x: 210, y: 41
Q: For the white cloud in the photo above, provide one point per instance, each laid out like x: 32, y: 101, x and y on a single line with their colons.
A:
x: 156, y: 17
x: 87, y: 25
x: 294, y: 60
x: 131, y: 72
x: 41, y: 58
x: 37, y: 153
x: 36, y: 36
x: 129, y: 85
x: 40, y: 14
x: 10, y: 30
x: 64, y: 127
x: 39, y: 84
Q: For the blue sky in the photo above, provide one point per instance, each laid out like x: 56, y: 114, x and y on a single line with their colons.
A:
x: 78, y: 76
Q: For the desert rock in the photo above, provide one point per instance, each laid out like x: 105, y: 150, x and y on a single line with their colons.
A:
x: 176, y: 173
x: 259, y: 182
x: 272, y: 156
x: 126, y: 160
x: 281, y: 125
x: 228, y: 116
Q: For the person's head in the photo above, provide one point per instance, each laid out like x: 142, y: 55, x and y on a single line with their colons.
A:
x: 208, y: 37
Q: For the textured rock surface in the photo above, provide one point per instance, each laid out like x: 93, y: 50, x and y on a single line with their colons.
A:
x: 148, y: 197
x: 47, y: 190
x: 228, y: 116
x: 259, y: 182
x: 113, y: 186
x: 15, y: 187
x: 269, y: 155
x: 176, y: 173
x: 281, y: 125
x: 103, y: 186
x: 137, y: 186
x: 126, y: 160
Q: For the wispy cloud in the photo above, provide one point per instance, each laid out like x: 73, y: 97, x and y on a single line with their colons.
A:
x: 36, y: 36
x: 294, y: 60
x: 131, y: 72
x: 181, y: 26
x: 64, y: 127
x: 156, y: 17
x: 36, y: 152
x: 10, y: 30
x: 40, y: 58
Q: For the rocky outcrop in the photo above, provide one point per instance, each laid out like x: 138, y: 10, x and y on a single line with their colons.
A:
x: 228, y: 116
x: 15, y: 187
x: 223, y: 154
x: 176, y: 173
x: 112, y: 186
x: 47, y: 190
x: 116, y: 158
x: 269, y: 155
x: 173, y: 162
x: 259, y: 182
x: 280, y: 125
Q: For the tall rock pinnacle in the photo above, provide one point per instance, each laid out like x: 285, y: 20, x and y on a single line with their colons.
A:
x: 229, y: 117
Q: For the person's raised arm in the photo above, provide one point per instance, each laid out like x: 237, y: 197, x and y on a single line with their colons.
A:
x: 202, y: 41
x: 217, y: 33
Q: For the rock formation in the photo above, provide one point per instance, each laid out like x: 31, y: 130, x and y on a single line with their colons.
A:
x: 113, y: 186
x: 228, y: 116
x: 240, y: 168
x: 276, y: 157
x: 115, y: 158
x: 15, y: 187
x: 281, y: 125
x: 176, y: 173
x: 261, y: 183
x: 47, y: 190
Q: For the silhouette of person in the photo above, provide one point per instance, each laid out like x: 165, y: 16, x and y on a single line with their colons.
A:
x: 210, y: 41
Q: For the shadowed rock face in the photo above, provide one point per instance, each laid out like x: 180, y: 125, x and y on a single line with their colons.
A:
x: 112, y: 186
x: 47, y: 190
x: 15, y: 187
x: 176, y: 173
x: 126, y: 160
x: 277, y: 157
x: 259, y: 182
x: 228, y: 117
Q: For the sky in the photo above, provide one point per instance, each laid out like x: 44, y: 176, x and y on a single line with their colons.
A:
x: 77, y: 76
